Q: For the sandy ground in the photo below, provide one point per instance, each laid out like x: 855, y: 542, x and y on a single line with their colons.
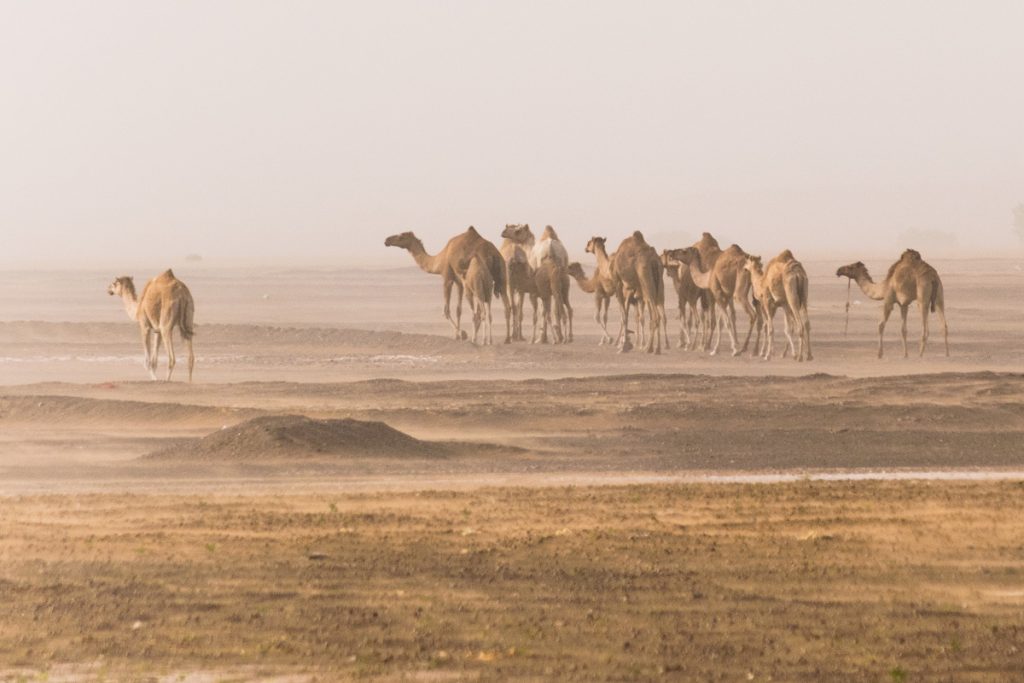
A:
x: 519, y: 554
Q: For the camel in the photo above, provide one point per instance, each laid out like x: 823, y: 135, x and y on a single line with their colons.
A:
x: 637, y: 270
x: 595, y: 285
x: 551, y: 286
x: 520, y: 275
x: 692, y: 310
x: 548, y: 250
x: 783, y: 283
x: 479, y: 286
x: 549, y: 247
x: 452, y: 262
x: 596, y: 246
x: 728, y: 282
x: 165, y: 304
x: 909, y: 279
x: 708, y: 251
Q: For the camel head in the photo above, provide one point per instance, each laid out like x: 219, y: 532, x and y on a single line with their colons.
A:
x: 594, y: 243
x: 753, y: 265
x: 519, y: 233
x: 121, y: 286
x: 405, y: 240
x: 576, y: 271
x: 853, y: 270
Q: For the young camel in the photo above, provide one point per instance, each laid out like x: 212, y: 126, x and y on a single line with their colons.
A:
x: 452, y: 262
x: 692, y: 299
x: 784, y: 284
x: 520, y: 275
x: 909, y: 279
x: 165, y: 304
x: 602, y: 297
x: 479, y: 285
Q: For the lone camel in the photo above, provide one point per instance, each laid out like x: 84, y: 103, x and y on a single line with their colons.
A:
x: 165, y: 304
x: 909, y: 279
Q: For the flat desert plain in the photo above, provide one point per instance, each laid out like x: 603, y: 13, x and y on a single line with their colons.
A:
x: 346, y: 491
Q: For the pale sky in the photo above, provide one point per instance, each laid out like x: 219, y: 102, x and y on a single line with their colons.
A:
x: 306, y: 132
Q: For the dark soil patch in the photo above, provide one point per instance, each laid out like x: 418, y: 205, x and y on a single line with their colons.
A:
x: 276, y: 437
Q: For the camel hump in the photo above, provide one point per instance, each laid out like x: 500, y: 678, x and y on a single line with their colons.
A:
x: 911, y: 255
x: 786, y: 255
x: 472, y: 231
x: 639, y: 237
x: 549, y: 233
x: 168, y: 274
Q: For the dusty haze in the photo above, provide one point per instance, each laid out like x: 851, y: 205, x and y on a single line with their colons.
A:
x: 306, y: 132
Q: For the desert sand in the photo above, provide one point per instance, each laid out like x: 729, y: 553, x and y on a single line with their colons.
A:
x: 512, y: 511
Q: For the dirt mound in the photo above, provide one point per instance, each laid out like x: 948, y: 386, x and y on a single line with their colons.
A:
x: 277, y: 437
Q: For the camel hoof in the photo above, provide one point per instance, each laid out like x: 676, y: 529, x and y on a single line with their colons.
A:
x: 463, y: 336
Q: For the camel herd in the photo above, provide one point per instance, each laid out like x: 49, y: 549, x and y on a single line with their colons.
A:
x: 710, y: 282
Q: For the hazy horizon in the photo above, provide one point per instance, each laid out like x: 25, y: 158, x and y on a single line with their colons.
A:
x: 305, y: 133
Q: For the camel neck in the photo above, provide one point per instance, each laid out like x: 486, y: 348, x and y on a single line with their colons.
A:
x: 131, y: 305
x: 431, y: 264
x: 589, y: 285
x: 874, y: 290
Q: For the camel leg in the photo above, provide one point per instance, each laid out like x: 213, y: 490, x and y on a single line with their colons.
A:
x: 730, y: 319
x: 754, y: 320
x: 490, y: 323
x: 165, y: 333
x: 684, y: 333
x: 568, y: 314
x: 148, y: 363
x: 924, y: 324
x: 154, y: 358
x: 506, y: 303
x: 945, y: 330
x: 598, y: 302
x: 791, y: 325
x: 537, y: 332
x: 191, y: 358
x: 903, y: 328
x: 886, y: 312
x: 806, y: 345
x: 624, y: 343
x: 769, y: 334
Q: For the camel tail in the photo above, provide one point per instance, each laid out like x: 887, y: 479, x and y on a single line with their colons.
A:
x: 936, y: 296
x: 500, y: 276
x: 185, y: 323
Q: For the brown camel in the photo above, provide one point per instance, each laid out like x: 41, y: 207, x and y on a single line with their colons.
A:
x: 783, y: 283
x: 692, y: 309
x: 549, y: 249
x: 479, y: 285
x: 637, y: 270
x: 708, y: 251
x: 165, y: 304
x: 520, y: 274
x: 595, y: 285
x: 909, y: 279
x: 728, y: 282
x: 452, y: 262
x: 596, y: 246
